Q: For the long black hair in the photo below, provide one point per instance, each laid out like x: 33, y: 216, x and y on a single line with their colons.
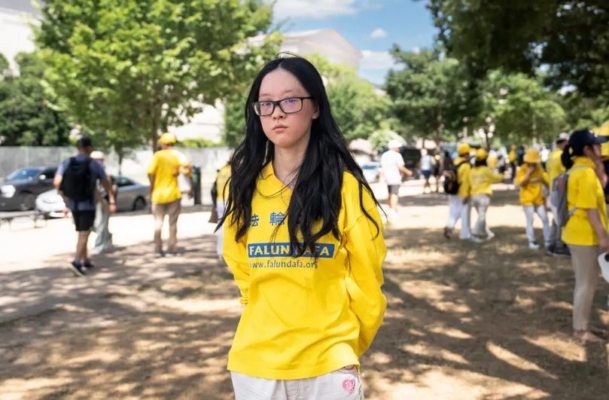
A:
x: 572, y: 149
x: 480, y: 163
x: 316, y: 197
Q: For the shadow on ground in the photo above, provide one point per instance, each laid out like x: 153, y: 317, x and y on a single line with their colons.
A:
x: 464, y: 321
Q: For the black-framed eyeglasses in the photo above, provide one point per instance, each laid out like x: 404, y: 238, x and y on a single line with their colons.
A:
x: 289, y: 105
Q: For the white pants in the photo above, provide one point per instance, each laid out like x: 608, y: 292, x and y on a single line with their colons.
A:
x: 457, y: 210
x: 481, y: 202
x: 220, y: 209
x: 530, y: 211
x: 344, y: 384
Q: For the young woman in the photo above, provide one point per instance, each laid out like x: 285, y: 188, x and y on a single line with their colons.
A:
x: 586, y: 230
x: 532, y: 178
x: 482, y: 177
x: 303, y: 239
x: 426, y: 169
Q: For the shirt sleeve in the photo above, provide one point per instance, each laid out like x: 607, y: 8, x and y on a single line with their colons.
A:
x: 586, y: 184
x: 62, y: 167
x: 235, y: 255
x: 152, y: 167
x: 366, y: 248
x: 493, y: 177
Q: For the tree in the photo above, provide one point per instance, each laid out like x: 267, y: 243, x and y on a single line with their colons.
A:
x: 27, y: 114
x: 430, y: 94
x: 520, y: 36
x: 519, y: 108
x: 234, y: 119
x: 131, y: 68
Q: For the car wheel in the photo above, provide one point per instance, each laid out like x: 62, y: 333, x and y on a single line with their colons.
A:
x: 139, y: 204
x: 28, y: 203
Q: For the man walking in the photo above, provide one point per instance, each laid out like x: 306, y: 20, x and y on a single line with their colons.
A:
x: 393, y: 167
x: 459, y: 205
x: 166, y: 198
x: 75, y: 181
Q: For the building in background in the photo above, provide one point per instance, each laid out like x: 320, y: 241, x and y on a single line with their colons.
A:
x: 16, y: 36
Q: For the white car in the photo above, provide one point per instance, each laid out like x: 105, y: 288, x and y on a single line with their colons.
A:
x: 371, y: 171
x: 131, y: 196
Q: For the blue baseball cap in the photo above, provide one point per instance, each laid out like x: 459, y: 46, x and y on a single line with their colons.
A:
x: 582, y: 138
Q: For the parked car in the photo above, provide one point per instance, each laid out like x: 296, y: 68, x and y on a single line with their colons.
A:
x: 372, y: 171
x: 18, y: 191
x: 131, y: 196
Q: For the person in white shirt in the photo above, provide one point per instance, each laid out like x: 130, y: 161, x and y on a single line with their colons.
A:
x: 426, y: 169
x: 393, y: 168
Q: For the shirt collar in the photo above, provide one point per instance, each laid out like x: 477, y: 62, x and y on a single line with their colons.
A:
x: 583, y: 161
x: 267, y: 171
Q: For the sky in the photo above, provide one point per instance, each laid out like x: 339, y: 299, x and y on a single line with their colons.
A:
x: 372, y: 26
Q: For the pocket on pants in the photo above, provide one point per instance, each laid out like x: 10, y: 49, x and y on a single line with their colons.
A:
x: 342, y: 384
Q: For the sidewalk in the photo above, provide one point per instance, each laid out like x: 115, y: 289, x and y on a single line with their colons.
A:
x: 34, y: 277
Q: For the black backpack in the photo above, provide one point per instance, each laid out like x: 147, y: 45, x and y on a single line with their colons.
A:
x: 451, y: 178
x: 78, y: 183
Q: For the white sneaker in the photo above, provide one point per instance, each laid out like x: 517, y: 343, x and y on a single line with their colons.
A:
x: 476, y: 239
x: 490, y: 235
x: 533, y: 246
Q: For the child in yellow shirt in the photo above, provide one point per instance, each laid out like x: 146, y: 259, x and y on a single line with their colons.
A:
x: 481, y: 178
x: 532, y: 178
x: 304, y: 241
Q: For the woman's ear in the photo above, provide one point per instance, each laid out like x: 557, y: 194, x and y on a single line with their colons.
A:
x: 316, y: 110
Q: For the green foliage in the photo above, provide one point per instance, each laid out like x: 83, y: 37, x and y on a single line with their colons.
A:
x: 196, y: 143
x: 431, y: 96
x: 130, y: 68
x: 357, y: 107
x: 234, y: 119
x: 381, y: 137
x: 520, y: 108
x: 27, y: 115
x: 568, y: 36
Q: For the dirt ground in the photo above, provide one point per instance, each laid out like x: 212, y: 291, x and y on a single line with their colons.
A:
x: 465, y: 321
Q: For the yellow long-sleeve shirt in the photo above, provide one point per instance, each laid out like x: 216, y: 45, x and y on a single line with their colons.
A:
x: 482, y: 178
x: 532, y: 193
x: 305, y: 317
x: 554, y: 166
x: 463, y: 176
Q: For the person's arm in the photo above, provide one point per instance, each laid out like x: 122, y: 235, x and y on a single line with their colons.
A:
x: 493, y: 177
x: 405, y: 171
x: 366, y: 248
x: 235, y: 255
x: 151, y: 171
x: 99, y: 172
x: 523, y: 178
x: 57, y: 184
x: 595, y: 220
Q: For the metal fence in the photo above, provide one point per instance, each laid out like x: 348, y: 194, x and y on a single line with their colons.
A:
x: 134, y: 166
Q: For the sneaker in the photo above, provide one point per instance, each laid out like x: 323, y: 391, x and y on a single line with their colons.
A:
x: 533, y: 245
x: 171, y: 255
x: 88, y: 264
x: 159, y: 254
x: 76, y: 268
x: 476, y: 239
x: 447, y: 232
x: 490, y: 236
x: 565, y: 253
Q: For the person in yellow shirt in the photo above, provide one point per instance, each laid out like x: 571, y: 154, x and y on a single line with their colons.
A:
x: 554, y: 167
x: 532, y: 178
x: 303, y: 238
x: 482, y: 177
x: 165, y: 196
x: 459, y: 205
x: 586, y: 229
x: 222, y: 190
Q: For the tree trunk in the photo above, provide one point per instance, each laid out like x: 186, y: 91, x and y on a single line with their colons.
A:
x: 121, y: 157
x: 487, y: 139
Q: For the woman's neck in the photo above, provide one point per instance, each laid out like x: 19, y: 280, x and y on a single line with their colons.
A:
x: 286, y: 164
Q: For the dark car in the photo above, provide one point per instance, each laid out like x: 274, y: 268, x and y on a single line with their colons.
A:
x: 412, y: 159
x: 18, y: 191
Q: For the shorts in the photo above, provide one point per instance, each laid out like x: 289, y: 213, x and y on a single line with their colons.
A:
x: 393, y: 189
x: 83, y: 220
x: 344, y: 384
x: 426, y: 173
